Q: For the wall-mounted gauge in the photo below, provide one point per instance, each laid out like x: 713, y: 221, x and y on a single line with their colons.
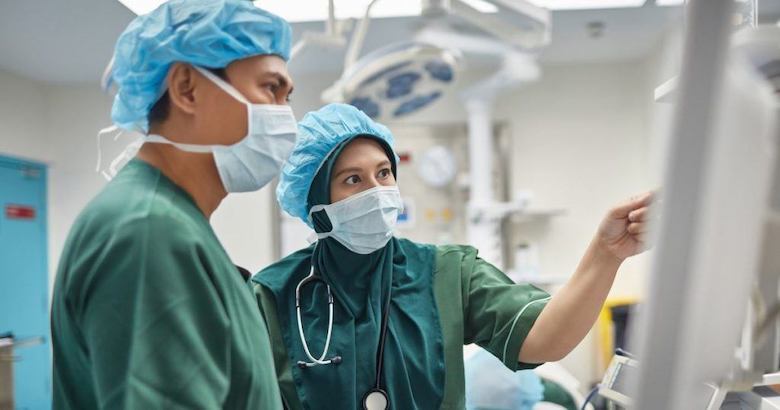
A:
x: 437, y: 166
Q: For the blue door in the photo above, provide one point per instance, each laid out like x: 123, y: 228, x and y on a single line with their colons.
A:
x: 24, y: 307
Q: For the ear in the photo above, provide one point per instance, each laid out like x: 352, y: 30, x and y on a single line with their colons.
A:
x: 182, y: 82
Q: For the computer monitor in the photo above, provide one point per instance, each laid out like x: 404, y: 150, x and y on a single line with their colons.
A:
x: 715, y: 216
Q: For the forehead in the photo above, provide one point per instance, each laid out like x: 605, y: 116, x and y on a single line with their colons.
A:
x: 361, y: 152
x: 261, y: 65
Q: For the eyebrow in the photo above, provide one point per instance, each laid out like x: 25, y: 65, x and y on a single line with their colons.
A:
x: 345, y: 171
x: 358, y: 169
x: 283, y: 81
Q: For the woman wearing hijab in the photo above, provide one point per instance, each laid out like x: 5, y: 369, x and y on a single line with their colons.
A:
x: 362, y: 319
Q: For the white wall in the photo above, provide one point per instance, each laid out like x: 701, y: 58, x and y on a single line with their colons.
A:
x: 74, y: 116
x: 579, y: 144
x: 22, y: 104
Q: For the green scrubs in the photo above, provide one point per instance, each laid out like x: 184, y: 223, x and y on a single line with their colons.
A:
x: 476, y: 303
x: 148, y: 310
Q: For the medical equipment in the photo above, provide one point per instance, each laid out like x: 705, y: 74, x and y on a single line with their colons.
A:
x: 374, y: 399
x: 363, y: 222
x: 332, y: 37
x: 437, y: 166
x: 615, y: 383
x: 719, y: 229
x: 254, y: 160
x: 518, y: 67
x: 314, y: 361
x: 400, y: 79
x: 393, y: 81
x: 397, y: 80
x: 7, y: 358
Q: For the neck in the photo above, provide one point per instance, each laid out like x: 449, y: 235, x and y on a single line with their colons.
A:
x: 354, y: 277
x: 195, y: 173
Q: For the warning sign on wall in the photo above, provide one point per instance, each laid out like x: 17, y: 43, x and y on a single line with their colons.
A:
x: 19, y: 212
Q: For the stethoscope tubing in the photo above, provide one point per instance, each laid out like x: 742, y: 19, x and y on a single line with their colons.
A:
x: 314, y: 361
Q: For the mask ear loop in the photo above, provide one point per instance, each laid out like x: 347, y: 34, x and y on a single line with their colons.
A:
x: 232, y: 91
x: 224, y: 85
x: 102, y: 133
x: 126, y: 155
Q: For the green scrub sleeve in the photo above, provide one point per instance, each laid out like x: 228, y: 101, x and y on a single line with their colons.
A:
x: 155, y: 325
x: 498, y: 313
x: 267, y: 304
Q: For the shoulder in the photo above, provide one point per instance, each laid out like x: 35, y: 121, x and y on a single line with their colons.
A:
x: 135, y: 231
x: 415, y: 252
x: 130, y: 209
x: 453, y: 258
x: 280, y: 273
x: 454, y: 250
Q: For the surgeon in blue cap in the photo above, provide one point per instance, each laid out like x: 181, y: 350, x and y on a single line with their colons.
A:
x: 148, y: 310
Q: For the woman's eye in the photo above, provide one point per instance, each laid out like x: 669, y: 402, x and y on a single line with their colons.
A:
x: 352, y: 180
x: 384, y: 173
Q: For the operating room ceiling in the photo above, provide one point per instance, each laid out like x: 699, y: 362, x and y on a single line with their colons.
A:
x: 71, y: 41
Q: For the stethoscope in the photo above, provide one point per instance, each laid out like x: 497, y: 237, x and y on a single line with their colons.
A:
x: 376, y: 398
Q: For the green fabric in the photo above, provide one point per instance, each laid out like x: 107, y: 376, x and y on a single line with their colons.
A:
x: 148, y: 310
x: 361, y: 285
x: 479, y: 304
x: 554, y: 393
x: 476, y: 303
x: 412, y: 378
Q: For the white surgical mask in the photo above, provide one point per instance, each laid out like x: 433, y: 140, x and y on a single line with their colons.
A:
x: 256, y: 159
x: 364, y: 222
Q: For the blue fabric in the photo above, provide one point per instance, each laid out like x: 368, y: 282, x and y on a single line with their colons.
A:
x: 319, y: 134
x: 491, y: 386
x: 207, y: 33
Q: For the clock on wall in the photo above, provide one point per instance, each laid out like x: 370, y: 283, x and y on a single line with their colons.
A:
x: 437, y: 166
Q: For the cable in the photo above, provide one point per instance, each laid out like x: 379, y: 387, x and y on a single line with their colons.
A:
x: 383, y: 335
x: 621, y: 352
x: 764, y: 324
x: 590, y: 397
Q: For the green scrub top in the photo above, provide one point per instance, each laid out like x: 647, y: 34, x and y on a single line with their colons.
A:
x: 148, y: 310
x: 476, y: 303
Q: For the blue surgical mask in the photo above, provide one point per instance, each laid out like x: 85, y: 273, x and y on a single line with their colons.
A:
x: 364, y: 222
x: 256, y: 159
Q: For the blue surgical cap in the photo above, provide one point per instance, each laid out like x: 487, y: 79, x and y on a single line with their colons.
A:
x: 491, y: 386
x: 207, y: 33
x: 319, y: 133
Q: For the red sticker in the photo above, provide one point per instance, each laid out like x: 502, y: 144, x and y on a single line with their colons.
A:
x: 19, y: 212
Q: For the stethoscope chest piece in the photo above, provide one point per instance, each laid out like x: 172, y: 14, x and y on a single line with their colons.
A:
x: 375, y: 399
